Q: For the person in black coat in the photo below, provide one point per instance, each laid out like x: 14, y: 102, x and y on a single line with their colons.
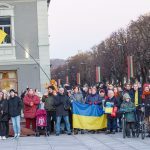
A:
x: 15, y: 105
x: 3, y: 116
x: 128, y: 90
x: 62, y: 105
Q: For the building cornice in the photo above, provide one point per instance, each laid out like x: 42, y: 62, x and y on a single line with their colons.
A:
x: 10, y: 1
x: 7, y: 1
x: 18, y: 62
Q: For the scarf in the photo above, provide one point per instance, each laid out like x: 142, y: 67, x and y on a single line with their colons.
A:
x: 136, y: 98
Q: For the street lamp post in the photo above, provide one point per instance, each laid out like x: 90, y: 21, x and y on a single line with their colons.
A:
x: 85, y: 71
x: 121, y: 46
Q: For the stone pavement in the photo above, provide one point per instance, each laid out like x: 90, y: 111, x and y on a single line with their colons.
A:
x: 76, y: 142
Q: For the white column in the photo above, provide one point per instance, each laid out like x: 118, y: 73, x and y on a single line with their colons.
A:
x: 42, y: 15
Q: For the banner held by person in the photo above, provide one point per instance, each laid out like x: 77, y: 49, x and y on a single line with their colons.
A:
x: 90, y: 117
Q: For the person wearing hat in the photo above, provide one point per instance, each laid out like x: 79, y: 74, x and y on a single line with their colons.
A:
x: 129, y: 108
x: 15, y: 105
x: 48, y: 99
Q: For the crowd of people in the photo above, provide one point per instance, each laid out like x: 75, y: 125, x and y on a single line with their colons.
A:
x: 58, y: 103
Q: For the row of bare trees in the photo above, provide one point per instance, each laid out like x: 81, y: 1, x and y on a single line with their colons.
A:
x: 111, y: 55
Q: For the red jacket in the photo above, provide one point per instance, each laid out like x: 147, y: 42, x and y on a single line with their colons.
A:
x: 30, y: 111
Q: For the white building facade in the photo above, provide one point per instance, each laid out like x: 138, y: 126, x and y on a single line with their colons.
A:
x: 26, y: 23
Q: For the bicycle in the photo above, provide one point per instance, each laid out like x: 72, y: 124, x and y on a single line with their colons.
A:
x: 124, y: 123
x: 141, y: 125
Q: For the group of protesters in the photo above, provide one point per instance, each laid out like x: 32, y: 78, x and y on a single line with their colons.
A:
x: 58, y: 105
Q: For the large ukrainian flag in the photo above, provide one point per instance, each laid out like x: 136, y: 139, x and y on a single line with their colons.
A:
x: 90, y: 117
x: 2, y: 36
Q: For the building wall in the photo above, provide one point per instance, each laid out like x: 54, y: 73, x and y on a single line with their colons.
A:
x: 26, y: 28
x: 31, y: 31
x: 27, y: 74
x: 42, y: 14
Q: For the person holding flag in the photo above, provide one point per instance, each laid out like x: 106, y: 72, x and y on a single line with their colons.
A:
x: 78, y: 97
x: 111, y: 102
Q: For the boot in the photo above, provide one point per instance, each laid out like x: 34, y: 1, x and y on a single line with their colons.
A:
x: 75, y: 131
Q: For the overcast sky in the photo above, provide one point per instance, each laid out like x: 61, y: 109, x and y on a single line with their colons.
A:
x: 80, y: 24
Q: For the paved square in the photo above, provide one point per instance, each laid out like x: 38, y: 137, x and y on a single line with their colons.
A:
x: 76, y: 142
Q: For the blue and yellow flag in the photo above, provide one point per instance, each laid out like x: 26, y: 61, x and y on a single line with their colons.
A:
x: 2, y: 36
x: 90, y: 117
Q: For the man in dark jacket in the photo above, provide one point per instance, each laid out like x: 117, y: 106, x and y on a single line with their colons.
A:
x: 15, y: 105
x: 48, y: 99
x: 62, y: 105
x: 137, y: 99
x: 128, y: 90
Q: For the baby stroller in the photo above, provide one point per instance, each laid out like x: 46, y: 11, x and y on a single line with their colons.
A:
x: 41, y: 122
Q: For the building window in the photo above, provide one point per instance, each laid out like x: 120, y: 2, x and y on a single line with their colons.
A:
x: 8, y: 80
x: 5, y: 25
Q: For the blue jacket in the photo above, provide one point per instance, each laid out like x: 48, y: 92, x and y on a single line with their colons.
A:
x: 94, y: 98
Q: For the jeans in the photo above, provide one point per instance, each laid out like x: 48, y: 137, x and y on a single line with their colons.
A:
x: 58, y: 121
x: 119, y: 122
x: 111, y: 124
x: 16, y: 124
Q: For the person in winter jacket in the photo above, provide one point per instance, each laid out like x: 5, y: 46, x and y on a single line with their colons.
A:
x: 129, y: 90
x: 93, y: 98
x: 6, y: 97
x: 128, y: 107
x: 31, y: 102
x: 85, y: 92
x: 15, y: 105
x: 48, y: 99
x: 137, y: 94
x: 146, y: 101
x: 62, y: 105
x: 118, y: 96
x: 102, y: 96
x: 78, y: 97
x: 137, y: 99
x: 111, y: 119
x: 3, y: 116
